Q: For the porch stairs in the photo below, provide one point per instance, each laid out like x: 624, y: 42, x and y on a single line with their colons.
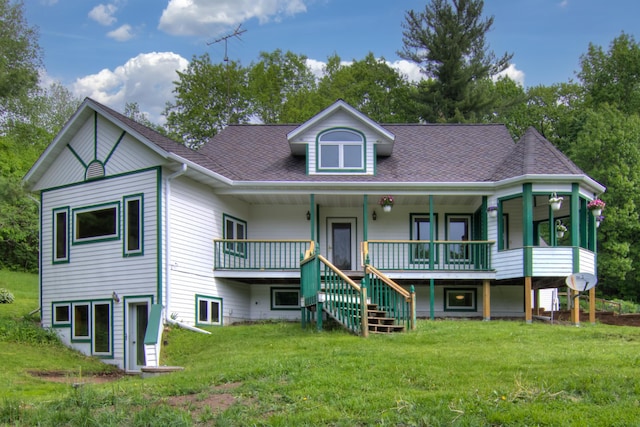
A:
x: 375, y: 305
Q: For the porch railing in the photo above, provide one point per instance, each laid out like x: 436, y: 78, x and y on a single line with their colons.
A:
x: 248, y: 254
x: 397, y: 302
x: 447, y: 255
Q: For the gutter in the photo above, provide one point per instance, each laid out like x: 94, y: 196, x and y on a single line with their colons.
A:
x: 189, y: 327
x: 167, y: 219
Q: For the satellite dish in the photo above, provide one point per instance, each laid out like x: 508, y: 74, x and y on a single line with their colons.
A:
x: 581, y: 281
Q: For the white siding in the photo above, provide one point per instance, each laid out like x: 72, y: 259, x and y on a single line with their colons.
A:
x: 587, y: 261
x: 552, y: 262
x: 509, y: 264
x: 96, y: 270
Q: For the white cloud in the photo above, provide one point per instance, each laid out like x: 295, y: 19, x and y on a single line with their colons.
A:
x: 409, y: 69
x: 513, y: 73
x: 121, y: 34
x: 103, y: 14
x: 206, y: 18
x: 146, y: 79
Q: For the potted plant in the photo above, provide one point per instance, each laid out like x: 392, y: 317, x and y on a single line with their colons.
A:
x: 492, y: 211
x: 555, y: 202
x: 596, y: 206
x: 386, y: 202
x: 560, y: 229
x: 599, y: 220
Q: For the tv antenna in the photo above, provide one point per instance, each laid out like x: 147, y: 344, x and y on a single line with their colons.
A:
x: 236, y: 33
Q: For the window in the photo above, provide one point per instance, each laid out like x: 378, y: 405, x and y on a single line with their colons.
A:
x: 421, y: 230
x: 61, y: 314
x: 458, y: 229
x: 208, y: 310
x: 96, y: 223
x: 61, y: 235
x: 80, y: 321
x: 102, y: 328
x: 285, y: 299
x: 460, y: 300
x: 133, y: 225
x: 234, y: 229
x: 341, y: 149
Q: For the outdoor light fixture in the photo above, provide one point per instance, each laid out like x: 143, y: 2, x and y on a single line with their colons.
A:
x: 115, y: 297
x: 308, y: 216
x: 374, y: 215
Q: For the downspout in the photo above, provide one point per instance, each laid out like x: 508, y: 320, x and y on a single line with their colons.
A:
x: 30, y: 196
x: 167, y: 249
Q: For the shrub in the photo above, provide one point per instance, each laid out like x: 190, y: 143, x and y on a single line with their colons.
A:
x: 6, y: 297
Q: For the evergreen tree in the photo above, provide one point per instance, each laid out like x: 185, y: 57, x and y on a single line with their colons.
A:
x: 448, y: 41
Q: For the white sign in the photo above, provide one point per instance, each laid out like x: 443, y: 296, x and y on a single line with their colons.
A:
x: 581, y: 282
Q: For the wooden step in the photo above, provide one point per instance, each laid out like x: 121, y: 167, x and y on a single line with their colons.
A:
x: 385, y: 329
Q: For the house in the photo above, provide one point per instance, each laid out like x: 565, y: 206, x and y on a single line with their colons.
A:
x: 273, y: 221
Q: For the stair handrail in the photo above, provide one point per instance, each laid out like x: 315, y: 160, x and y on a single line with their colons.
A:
x: 399, y: 289
x: 339, y: 272
x: 409, y: 296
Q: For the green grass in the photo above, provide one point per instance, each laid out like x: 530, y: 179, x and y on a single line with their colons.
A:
x: 466, y: 373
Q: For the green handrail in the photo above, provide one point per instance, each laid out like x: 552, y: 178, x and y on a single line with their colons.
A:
x: 397, y: 302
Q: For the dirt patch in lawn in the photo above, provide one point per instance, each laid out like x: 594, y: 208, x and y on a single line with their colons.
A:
x: 75, y: 378
x: 217, y: 399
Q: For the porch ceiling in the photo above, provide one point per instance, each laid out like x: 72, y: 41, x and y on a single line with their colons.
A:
x: 355, y: 200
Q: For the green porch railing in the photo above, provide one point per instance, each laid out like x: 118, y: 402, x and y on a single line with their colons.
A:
x: 230, y: 254
x: 397, y: 302
x: 342, y: 298
x: 447, y: 255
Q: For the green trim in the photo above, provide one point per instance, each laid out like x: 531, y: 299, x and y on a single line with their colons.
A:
x: 209, y: 299
x: 484, y: 219
x: 91, y: 208
x: 447, y: 217
x: 54, y: 236
x: 126, y: 300
x: 75, y: 184
x: 125, y: 224
x: 113, y: 150
x: 432, y: 287
x: 312, y: 211
x: 80, y: 338
x: 339, y: 170
x: 474, y: 293
x: 307, y: 166
x: 240, y: 253
x: 432, y: 229
x: 159, y: 234
x: 286, y: 289
x: 527, y: 228
x: 153, y: 325
x: 575, y: 226
x: 77, y: 156
x: 365, y: 218
x: 40, y: 258
x: 109, y: 354
x: 95, y: 135
x: 54, y: 324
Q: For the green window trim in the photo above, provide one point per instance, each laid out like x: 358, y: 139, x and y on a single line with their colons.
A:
x: 457, y: 252
x: 89, y: 219
x: 60, y: 236
x: 133, y: 218
x: 102, y: 328
x: 61, y: 314
x: 344, y: 140
x: 460, y: 299
x: 81, y: 322
x: 208, y: 311
x: 416, y: 234
x: 285, y: 298
x: 234, y: 229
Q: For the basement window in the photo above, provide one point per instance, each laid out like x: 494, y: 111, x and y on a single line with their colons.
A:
x: 285, y: 299
x: 208, y: 310
x: 460, y: 300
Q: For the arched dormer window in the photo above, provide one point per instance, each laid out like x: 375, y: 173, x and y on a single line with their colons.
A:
x: 341, y: 149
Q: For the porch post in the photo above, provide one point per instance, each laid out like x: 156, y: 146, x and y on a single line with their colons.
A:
x: 312, y: 211
x: 486, y: 300
x: 365, y: 219
x: 592, y: 306
x: 575, y: 307
x: 527, y: 299
x: 432, y: 231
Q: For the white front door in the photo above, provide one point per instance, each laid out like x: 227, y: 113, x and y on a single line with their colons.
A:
x: 137, y: 320
x: 341, y: 242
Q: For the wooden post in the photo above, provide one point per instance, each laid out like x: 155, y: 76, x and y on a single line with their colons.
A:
x: 527, y: 299
x: 486, y: 300
x: 365, y: 315
x: 575, y: 307
x: 413, y: 308
x: 592, y: 306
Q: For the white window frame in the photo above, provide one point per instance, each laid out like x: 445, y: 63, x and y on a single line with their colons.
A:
x: 341, y: 145
x: 472, y: 292
x: 274, y: 297
x: 93, y: 323
x: 75, y: 337
x: 234, y: 248
x: 125, y: 245
x: 209, y: 300
x: 56, y: 258
x: 54, y: 319
x: 98, y: 238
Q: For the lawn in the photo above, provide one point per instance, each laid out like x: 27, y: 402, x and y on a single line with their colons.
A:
x: 467, y: 373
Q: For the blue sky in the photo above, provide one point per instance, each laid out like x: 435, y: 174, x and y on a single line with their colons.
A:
x: 119, y: 51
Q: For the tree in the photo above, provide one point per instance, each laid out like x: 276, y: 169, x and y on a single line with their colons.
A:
x: 613, y: 77
x: 20, y: 56
x: 208, y: 98
x: 448, y: 42
x: 276, y: 79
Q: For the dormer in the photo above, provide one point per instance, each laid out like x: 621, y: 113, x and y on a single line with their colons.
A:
x: 340, y: 140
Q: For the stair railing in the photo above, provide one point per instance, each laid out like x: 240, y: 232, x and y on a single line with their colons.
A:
x: 399, y: 303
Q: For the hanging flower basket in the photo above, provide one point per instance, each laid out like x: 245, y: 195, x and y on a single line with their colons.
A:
x: 596, y: 206
x: 599, y: 220
x: 555, y: 202
x: 560, y: 229
x: 492, y: 211
x: 386, y: 202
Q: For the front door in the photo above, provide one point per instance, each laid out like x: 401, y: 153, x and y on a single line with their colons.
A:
x: 342, y: 242
x: 138, y: 318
